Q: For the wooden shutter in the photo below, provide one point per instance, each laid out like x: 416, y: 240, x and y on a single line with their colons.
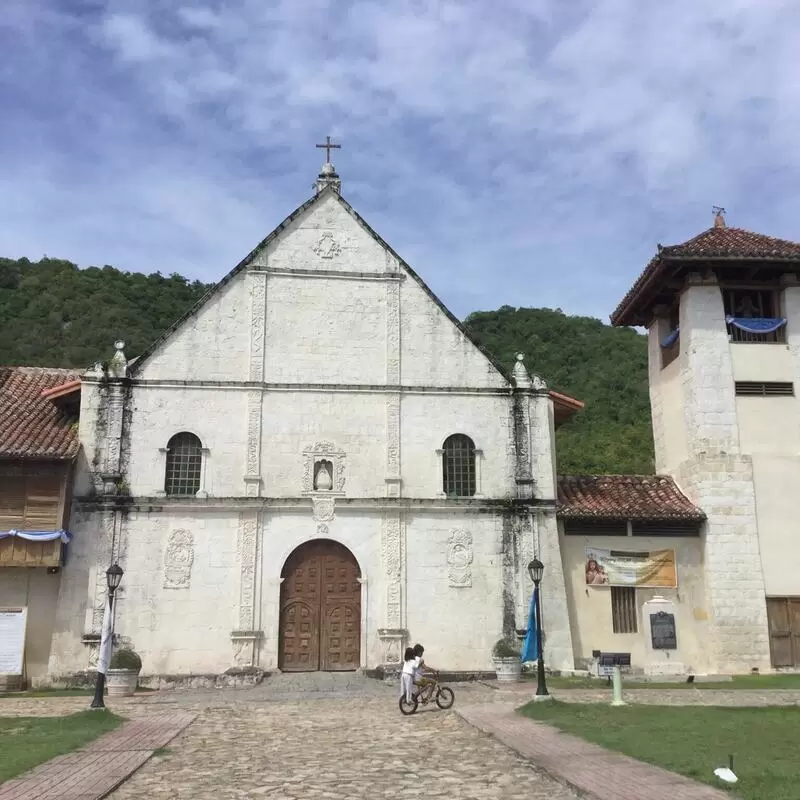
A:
x: 12, y: 502
x: 780, y: 632
x: 43, y: 503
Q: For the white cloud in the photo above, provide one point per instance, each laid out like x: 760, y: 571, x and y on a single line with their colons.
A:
x: 521, y: 152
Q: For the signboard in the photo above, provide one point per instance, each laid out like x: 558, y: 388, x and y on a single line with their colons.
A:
x: 655, y: 569
x: 12, y: 640
x: 663, y: 635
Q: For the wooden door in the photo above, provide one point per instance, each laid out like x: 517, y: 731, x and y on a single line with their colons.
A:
x: 320, y: 624
x: 783, y: 614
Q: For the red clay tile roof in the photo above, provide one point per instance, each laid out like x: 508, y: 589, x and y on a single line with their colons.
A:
x: 714, y: 244
x: 30, y: 425
x: 636, y: 497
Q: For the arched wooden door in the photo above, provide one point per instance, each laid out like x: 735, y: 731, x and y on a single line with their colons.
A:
x: 320, y: 623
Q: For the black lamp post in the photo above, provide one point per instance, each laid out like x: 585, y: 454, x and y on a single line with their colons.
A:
x: 536, y: 570
x: 113, y: 577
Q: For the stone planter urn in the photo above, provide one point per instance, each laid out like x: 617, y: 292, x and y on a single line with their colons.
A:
x: 123, y: 673
x: 121, y: 682
x: 507, y: 662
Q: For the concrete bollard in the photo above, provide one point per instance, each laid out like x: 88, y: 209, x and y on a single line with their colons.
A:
x: 616, y: 679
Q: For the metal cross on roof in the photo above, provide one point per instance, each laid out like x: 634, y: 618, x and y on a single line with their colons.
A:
x: 328, y: 147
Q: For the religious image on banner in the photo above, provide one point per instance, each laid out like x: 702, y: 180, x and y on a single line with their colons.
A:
x: 655, y: 570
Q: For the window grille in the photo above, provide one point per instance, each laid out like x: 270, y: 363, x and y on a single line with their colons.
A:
x: 458, y: 465
x: 184, y: 465
x: 623, y: 609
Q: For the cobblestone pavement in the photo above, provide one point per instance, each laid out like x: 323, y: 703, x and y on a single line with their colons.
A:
x: 342, y: 736
x: 354, y: 745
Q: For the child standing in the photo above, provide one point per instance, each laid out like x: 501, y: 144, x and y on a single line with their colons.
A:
x: 407, y: 675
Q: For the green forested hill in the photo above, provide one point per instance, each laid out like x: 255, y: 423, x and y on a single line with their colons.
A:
x: 53, y: 314
x: 604, y: 367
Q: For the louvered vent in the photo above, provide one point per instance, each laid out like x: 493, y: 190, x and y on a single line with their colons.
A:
x: 769, y: 389
x: 595, y: 527
x: 667, y: 528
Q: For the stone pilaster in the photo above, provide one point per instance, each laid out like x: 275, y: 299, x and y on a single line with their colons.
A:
x: 246, y: 637
x: 258, y: 313
x: 393, y: 378
x: 392, y: 633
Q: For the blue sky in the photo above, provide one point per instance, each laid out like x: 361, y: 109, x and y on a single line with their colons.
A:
x: 520, y: 152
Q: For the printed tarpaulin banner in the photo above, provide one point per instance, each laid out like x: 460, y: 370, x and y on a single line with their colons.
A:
x: 655, y: 569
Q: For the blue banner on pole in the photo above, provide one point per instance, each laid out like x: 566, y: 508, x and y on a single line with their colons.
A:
x: 530, y: 650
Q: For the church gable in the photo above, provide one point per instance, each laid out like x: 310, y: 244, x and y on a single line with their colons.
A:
x: 325, y: 238
x: 323, y: 299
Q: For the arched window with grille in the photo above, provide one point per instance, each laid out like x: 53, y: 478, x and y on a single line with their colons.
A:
x: 458, y: 466
x: 184, y: 465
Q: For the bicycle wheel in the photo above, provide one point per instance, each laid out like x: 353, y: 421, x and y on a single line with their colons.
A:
x: 445, y: 697
x: 406, y: 707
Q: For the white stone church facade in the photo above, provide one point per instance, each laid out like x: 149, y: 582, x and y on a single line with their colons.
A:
x: 313, y: 468
x: 316, y: 466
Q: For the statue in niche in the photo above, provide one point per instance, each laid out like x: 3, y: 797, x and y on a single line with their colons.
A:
x: 323, y: 476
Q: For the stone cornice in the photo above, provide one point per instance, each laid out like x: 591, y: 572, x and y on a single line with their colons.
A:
x: 303, y: 504
x: 500, y: 391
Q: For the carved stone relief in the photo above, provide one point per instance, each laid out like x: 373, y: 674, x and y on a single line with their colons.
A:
x: 459, y: 558
x: 324, y: 508
x: 392, y: 552
x: 178, y: 560
x: 327, y: 246
x: 247, y: 551
x: 258, y: 311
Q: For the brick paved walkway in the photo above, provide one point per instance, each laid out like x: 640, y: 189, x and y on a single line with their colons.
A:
x: 97, y: 769
x: 602, y: 774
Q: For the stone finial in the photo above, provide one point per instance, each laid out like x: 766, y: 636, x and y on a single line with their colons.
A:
x: 538, y: 384
x: 520, y: 373
x: 328, y: 177
x: 118, y: 366
x: 719, y: 219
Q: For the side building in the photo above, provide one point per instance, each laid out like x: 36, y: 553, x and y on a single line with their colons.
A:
x: 39, y: 448
x: 722, y: 312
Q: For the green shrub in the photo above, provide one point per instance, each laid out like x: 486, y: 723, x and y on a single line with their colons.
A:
x: 125, y: 659
x: 504, y: 648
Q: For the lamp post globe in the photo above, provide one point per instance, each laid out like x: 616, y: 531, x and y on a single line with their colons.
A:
x: 536, y: 570
x: 114, y: 576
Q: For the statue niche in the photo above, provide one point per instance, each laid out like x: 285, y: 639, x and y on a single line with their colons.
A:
x: 323, y: 476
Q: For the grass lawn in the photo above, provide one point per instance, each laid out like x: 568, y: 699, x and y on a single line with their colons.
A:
x: 694, y: 740
x: 750, y: 682
x: 26, y: 742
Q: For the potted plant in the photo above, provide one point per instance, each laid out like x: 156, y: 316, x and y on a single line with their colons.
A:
x: 507, y: 660
x: 123, y: 673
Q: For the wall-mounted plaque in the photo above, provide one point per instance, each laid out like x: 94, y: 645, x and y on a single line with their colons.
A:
x: 662, y: 631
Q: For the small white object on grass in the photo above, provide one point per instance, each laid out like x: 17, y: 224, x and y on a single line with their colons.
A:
x: 725, y: 774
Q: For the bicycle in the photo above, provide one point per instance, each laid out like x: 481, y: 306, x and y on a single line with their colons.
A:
x: 443, y: 696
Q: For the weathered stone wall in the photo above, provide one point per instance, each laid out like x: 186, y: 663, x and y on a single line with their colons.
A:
x: 322, y: 347
x: 719, y: 479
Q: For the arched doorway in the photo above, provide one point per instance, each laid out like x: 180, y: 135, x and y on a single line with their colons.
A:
x: 320, y: 622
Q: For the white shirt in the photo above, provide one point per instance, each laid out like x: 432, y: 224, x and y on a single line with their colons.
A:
x: 410, y: 667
